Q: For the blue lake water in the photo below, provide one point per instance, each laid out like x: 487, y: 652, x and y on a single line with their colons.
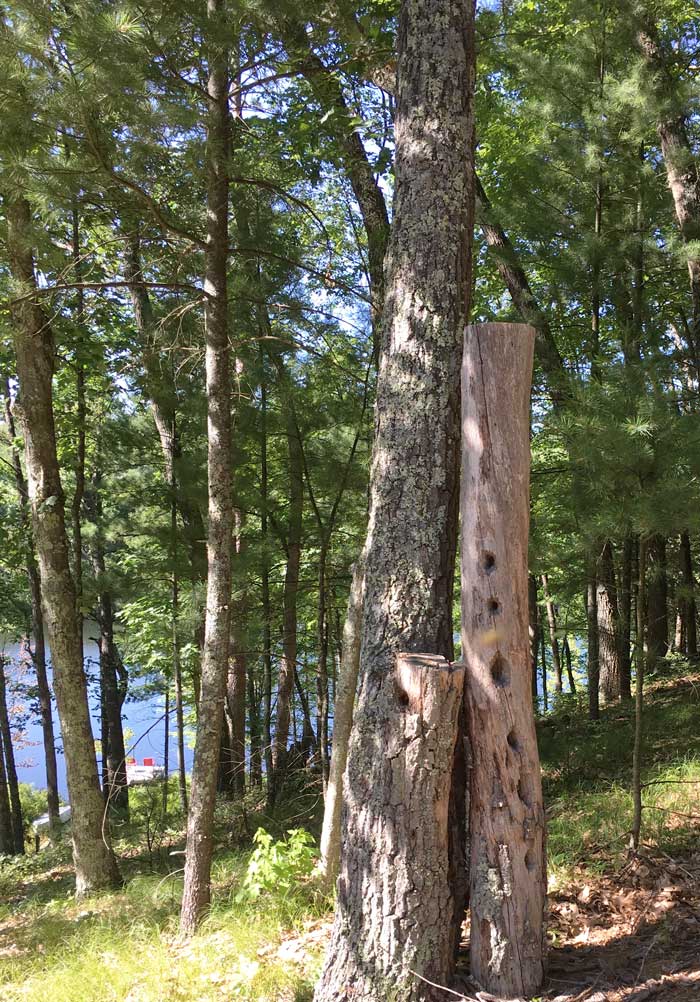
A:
x: 144, y: 723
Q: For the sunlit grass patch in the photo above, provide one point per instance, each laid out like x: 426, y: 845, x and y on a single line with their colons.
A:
x: 124, y: 947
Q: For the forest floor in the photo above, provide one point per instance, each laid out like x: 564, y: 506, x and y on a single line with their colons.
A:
x: 621, y: 928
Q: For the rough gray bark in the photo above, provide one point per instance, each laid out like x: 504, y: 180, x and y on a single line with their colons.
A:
x: 608, y: 625
x: 39, y: 649
x: 395, y: 910
x: 506, y: 817
x: 343, y: 707
x: 95, y: 866
x: 200, y: 844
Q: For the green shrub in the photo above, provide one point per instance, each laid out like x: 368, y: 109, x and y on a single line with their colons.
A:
x: 278, y: 866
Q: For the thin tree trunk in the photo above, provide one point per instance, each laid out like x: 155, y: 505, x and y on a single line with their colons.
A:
x: 566, y: 650
x: 679, y: 159
x: 39, y: 651
x: 342, y: 724
x: 7, y: 837
x: 113, y: 676
x: 255, y: 733
x: 608, y: 625
x: 10, y: 767
x: 545, y: 693
x: 515, y: 280
x: 295, y: 463
x: 626, y: 616
x: 236, y: 689
x: 95, y: 865
x: 166, y: 749
x: 395, y: 910
x: 592, y: 645
x: 533, y: 633
x: 688, y: 606
x: 639, y: 699
x: 657, y: 598
x: 174, y: 626
x: 81, y: 419
x: 554, y: 642
x: 506, y: 819
x: 368, y: 194
x: 265, y: 589
x: 200, y: 843
x: 308, y: 738
x: 322, y: 667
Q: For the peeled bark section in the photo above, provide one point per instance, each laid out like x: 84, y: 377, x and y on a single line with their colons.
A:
x: 507, y: 834
x: 394, y: 916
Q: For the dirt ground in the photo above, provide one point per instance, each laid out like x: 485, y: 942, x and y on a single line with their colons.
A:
x: 630, y: 937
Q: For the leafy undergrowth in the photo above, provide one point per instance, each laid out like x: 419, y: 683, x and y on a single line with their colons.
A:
x: 620, y: 928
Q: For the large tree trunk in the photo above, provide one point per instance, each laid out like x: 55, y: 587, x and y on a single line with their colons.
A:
x: 95, y: 866
x: 346, y: 687
x: 657, y: 598
x: 39, y: 650
x: 608, y: 625
x: 506, y: 818
x: 687, y: 606
x: 395, y: 911
x: 200, y: 842
x: 10, y: 767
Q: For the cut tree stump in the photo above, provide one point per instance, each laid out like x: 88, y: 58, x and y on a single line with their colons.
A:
x: 399, y: 867
x: 507, y: 834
